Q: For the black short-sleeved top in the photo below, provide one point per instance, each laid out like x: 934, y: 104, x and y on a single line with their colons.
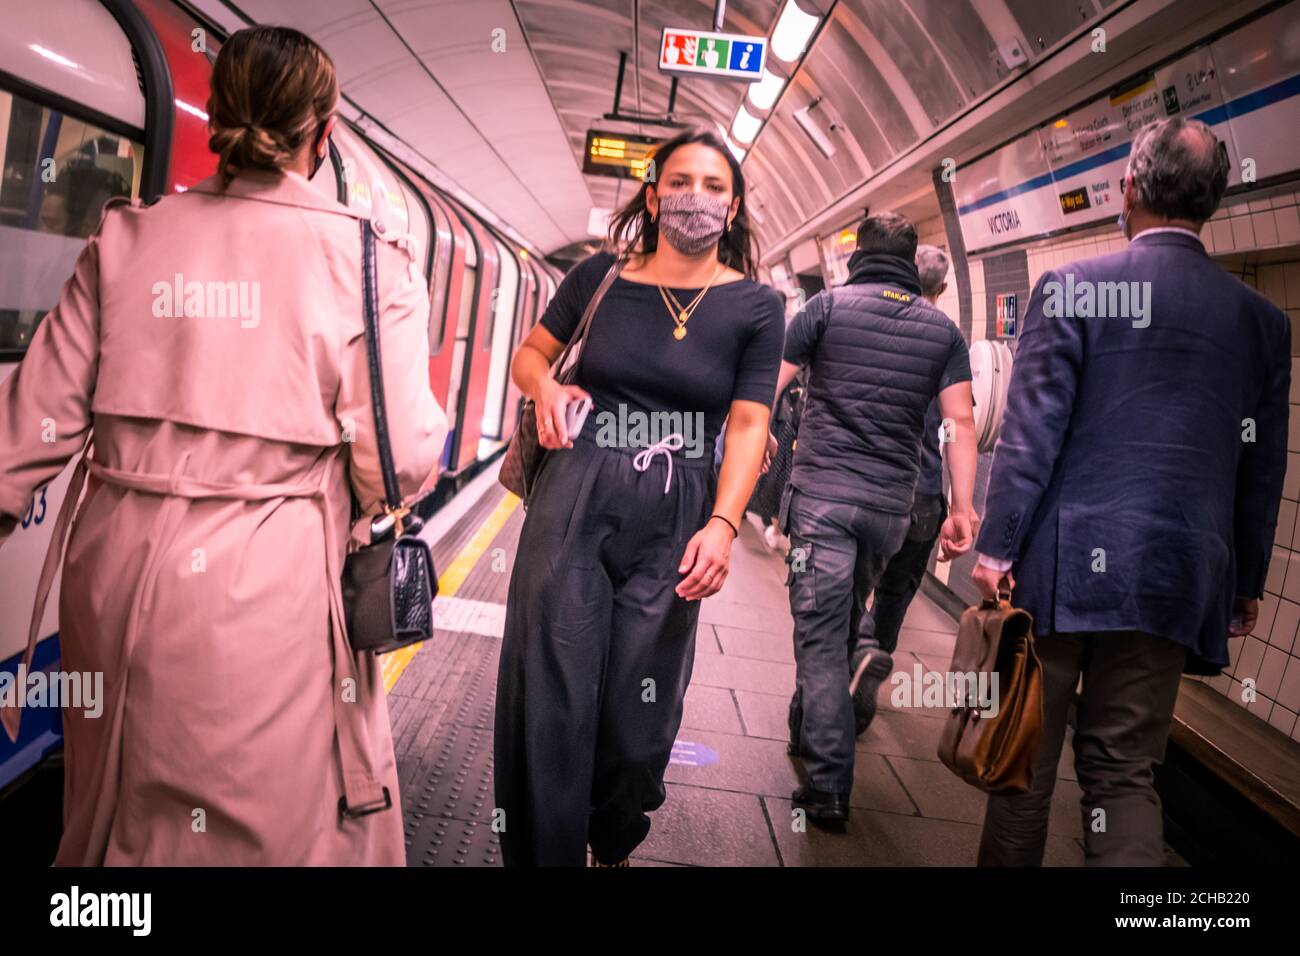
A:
x: 732, y: 348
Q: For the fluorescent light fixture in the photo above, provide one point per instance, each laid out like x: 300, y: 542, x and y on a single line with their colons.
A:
x: 813, y: 131
x: 51, y: 55
x: 745, y: 126
x: 736, y: 151
x: 764, y: 93
x: 793, y: 30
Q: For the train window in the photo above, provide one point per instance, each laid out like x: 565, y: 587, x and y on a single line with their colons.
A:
x: 504, y: 307
x: 442, y: 277
x: 58, y: 171
x: 463, y: 318
x: 466, y: 302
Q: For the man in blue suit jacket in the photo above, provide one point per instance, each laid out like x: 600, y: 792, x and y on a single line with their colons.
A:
x: 1134, y: 492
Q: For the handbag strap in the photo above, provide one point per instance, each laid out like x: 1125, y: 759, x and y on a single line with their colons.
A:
x: 584, y: 324
x: 370, y: 310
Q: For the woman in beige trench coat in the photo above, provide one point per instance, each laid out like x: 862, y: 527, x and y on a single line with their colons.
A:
x: 202, y: 573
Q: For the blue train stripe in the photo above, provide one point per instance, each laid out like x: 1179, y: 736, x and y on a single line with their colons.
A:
x: 1282, y: 90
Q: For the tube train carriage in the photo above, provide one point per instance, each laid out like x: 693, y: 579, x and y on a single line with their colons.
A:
x: 117, y: 109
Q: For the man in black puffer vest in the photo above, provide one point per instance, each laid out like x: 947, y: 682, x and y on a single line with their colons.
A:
x: 878, y: 353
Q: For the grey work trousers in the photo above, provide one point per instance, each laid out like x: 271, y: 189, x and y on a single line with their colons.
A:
x: 1130, y: 682
x: 836, y: 550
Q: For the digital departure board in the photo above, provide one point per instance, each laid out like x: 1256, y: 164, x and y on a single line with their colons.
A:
x: 621, y: 155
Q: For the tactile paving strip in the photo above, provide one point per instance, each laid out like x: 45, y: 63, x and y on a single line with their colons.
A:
x: 448, y: 809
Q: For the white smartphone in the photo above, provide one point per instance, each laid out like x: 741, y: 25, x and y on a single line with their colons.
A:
x: 575, y: 413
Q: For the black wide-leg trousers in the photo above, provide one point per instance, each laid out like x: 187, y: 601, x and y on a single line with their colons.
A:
x: 597, y: 653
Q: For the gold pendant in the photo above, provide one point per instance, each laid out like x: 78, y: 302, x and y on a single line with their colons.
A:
x: 683, y: 316
x: 679, y: 333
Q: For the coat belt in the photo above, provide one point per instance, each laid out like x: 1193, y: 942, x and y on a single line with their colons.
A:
x: 361, y: 786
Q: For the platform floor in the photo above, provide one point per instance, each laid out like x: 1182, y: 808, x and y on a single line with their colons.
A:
x: 730, y: 779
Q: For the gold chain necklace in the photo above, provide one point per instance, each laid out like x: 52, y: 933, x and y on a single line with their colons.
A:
x: 682, y: 315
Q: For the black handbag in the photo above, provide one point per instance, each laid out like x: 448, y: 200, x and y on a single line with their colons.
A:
x: 389, y: 584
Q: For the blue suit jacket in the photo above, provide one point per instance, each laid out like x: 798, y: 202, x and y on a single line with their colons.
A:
x: 1125, y: 486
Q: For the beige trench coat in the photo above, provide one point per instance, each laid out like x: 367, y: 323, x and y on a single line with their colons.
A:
x: 202, y: 568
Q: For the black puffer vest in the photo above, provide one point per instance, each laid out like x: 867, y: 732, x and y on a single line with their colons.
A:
x: 879, y: 363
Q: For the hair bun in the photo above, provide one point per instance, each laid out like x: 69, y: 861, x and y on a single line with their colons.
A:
x: 248, y: 146
x: 272, y: 87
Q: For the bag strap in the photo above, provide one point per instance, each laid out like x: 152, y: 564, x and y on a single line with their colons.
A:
x: 370, y: 310
x: 584, y: 324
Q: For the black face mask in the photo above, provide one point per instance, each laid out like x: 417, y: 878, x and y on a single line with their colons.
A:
x: 317, y: 159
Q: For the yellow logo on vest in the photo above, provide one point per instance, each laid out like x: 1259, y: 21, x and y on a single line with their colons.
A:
x: 897, y: 296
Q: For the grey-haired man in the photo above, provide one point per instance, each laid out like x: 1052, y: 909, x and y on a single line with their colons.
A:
x: 1134, y: 492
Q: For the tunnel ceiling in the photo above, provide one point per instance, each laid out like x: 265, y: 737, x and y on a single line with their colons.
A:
x: 510, y: 127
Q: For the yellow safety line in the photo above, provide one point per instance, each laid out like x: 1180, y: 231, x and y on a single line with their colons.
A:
x: 451, y: 579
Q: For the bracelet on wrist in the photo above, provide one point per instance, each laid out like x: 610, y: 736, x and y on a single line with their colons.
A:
x: 735, y: 532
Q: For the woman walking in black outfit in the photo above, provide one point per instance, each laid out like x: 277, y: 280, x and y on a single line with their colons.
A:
x: 627, y: 527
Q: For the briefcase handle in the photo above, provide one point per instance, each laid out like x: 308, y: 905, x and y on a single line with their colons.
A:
x: 1003, y: 598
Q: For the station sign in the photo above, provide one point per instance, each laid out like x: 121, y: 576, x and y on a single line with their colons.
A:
x: 621, y: 155
x: 1244, y: 85
x: 726, y: 56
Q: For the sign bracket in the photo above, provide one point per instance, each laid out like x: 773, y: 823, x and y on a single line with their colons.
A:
x: 652, y: 119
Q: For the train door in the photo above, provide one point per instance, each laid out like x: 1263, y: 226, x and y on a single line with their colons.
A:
x: 530, y: 311
x: 477, y: 349
x: 447, y: 362
x: 72, y: 136
x: 511, y: 298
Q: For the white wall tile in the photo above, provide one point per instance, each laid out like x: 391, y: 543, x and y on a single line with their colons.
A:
x: 1285, y: 624
x: 1250, y: 661
x: 1267, y: 615
x: 1288, y: 694
x: 1285, y: 523
x: 1291, y: 275
x: 1260, y: 706
x: 1243, y: 234
x: 1271, y: 671
x: 1282, y: 719
x: 1265, y: 228
x: 1291, y: 484
x: 1288, y: 225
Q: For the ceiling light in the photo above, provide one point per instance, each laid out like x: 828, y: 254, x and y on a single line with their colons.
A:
x: 793, y: 30
x: 745, y: 126
x: 764, y: 93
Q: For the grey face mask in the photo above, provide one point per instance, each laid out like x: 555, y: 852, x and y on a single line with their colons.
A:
x: 691, y: 222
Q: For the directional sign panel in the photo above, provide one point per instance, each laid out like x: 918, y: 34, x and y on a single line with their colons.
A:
x: 727, y: 56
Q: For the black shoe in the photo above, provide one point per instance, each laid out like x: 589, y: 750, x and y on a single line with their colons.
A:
x: 821, y: 805
x: 871, y: 666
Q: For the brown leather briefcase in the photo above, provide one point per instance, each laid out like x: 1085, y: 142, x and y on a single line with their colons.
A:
x: 993, y: 748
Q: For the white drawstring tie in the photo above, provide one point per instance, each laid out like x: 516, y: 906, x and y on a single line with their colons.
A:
x: 666, y: 448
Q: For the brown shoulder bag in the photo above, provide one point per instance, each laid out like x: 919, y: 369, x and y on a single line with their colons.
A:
x: 994, y: 750
x: 524, y: 455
